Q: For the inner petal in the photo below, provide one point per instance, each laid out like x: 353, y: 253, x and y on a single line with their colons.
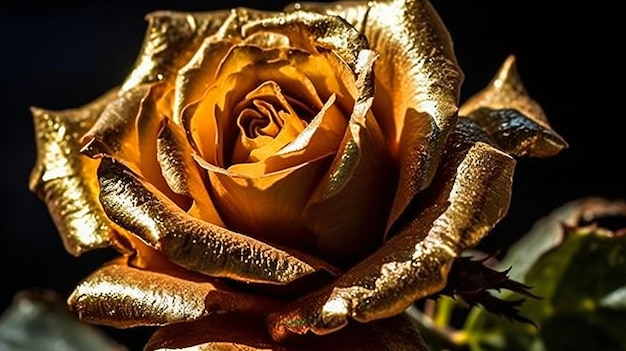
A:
x: 267, y: 122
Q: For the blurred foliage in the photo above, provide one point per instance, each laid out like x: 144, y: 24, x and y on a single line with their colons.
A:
x: 39, y: 321
x: 575, y: 267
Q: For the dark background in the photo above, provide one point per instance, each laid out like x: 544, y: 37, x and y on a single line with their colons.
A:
x: 60, y: 56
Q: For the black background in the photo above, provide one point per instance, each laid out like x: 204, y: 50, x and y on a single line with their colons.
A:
x: 59, y: 56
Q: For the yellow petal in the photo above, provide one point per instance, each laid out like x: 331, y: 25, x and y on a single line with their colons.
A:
x: 189, y: 242
x: 515, y: 121
x: 171, y: 40
x: 417, y: 83
x: 469, y: 195
x: 124, y: 297
x: 66, y: 180
x: 238, y: 331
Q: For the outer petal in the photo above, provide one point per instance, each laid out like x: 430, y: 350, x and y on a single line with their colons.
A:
x: 127, y: 129
x: 171, y: 40
x: 513, y: 120
x: 469, y: 196
x: 199, y: 246
x: 245, y: 332
x: 66, y: 180
x: 417, y: 83
x: 124, y: 297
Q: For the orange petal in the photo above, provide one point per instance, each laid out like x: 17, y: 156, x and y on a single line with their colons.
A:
x: 320, y: 138
x: 238, y: 331
x: 198, y: 74
x: 469, y: 195
x: 189, y: 242
x: 511, y: 117
x: 312, y: 31
x: 124, y: 297
x: 417, y: 83
x: 210, y: 122
x: 268, y: 207
x: 66, y: 180
x: 171, y: 40
x: 127, y: 129
x: 361, y: 171
x: 182, y: 174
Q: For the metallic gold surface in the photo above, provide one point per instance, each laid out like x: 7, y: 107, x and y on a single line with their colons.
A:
x: 311, y: 31
x: 182, y: 174
x: 65, y: 180
x: 362, y: 168
x: 515, y: 121
x: 417, y: 83
x: 170, y: 41
x: 247, y: 148
x: 121, y: 296
x: 469, y: 195
x: 238, y: 331
x: 194, y: 244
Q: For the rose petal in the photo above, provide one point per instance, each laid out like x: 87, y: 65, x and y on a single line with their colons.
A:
x: 66, y: 180
x: 268, y: 207
x: 417, y: 78
x: 274, y: 107
x: 361, y: 170
x: 171, y: 40
x: 514, y: 121
x: 197, y: 75
x: 189, y: 242
x: 470, y: 194
x: 182, y: 175
x: 124, y: 297
x: 127, y: 129
x: 320, y: 138
x: 312, y: 31
x: 238, y: 331
x: 200, y: 72
x: 209, y: 122
x: 115, y: 128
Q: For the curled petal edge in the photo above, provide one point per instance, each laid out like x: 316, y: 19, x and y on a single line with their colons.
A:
x: 189, y: 242
x: 124, y: 297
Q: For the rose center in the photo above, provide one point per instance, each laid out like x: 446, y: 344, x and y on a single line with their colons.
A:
x: 267, y: 121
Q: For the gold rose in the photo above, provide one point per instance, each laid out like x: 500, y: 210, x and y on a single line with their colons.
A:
x: 294, y: 170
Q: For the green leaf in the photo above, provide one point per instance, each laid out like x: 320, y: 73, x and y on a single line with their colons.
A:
x: 39, y: 321
x: 579, y: 271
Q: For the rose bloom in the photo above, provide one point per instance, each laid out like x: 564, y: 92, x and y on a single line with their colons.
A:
x: 272, y: 176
